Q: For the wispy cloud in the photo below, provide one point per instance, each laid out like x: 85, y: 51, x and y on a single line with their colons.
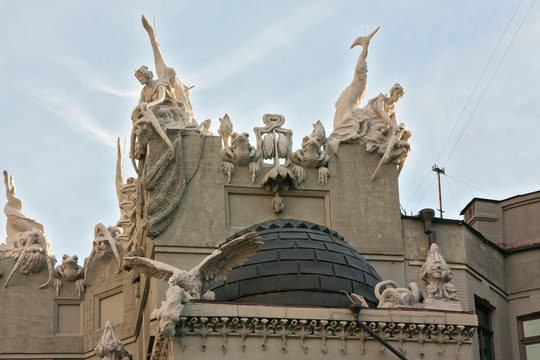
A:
x: 75, y: 115
x: 279, y: 33
x: 97, y: 84
x: 92, y: 79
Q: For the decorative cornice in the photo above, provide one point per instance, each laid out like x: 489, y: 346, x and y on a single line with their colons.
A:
x: 344, y: 330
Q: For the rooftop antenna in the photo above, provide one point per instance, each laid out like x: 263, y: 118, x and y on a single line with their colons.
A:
x: 439, y: 171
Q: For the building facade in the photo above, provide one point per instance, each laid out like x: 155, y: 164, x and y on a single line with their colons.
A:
x: 339, y: 271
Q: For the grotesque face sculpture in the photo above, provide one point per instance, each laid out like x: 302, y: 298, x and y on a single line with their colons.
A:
x: 105, y: 247
x: 450, y: 292
x: 144, y: 131
x: 164, y: 115
x: 34, y: 255
x: 437, y: 270
x: 102, y: 244
x: 34, y: 239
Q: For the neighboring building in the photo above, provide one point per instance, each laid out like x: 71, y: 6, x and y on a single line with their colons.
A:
x: 511, y: 227
x: 332, y: 231
x: 512, y: 223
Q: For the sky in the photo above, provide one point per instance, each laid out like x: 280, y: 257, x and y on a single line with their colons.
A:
x: 470, y: 71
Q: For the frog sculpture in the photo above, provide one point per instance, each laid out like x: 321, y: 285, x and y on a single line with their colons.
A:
x: 311, y: 155
x: 240, y: 153
x: 70, y: 271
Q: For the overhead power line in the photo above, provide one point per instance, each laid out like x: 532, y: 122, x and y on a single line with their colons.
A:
x: 451, y: 191
x: 418, y: 188
x: 478, y: 82
x: 424, y: 193
x: 472, y: 186
x: 471, y: 95
x: 489, y: 83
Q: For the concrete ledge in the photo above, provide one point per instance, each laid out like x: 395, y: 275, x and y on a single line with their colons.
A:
x: 408, y: 315
x: 266, y: 332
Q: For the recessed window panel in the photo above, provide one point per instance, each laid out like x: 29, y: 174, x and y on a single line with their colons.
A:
x: 531, y: 328
x: 532, y: 351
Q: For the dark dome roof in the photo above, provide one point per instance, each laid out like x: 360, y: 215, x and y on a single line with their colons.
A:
x: 300, y: 263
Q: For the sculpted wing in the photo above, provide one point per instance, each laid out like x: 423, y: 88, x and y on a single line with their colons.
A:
x: 234, y: 253
x: 152, y: 268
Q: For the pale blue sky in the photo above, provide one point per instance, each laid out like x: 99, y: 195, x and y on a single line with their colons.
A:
x: 69, y: 90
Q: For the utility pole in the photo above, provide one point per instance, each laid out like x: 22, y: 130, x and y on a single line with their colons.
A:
x: 439, y: 171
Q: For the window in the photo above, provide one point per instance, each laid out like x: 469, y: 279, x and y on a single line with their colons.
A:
x: 485, y: 334
x: 529, y: 334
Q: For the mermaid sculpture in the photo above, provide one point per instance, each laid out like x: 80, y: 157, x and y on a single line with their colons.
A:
x: 375, y: 124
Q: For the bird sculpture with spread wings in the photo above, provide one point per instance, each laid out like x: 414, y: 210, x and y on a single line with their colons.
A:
x: 187, y: 285
x: 213, y: 268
